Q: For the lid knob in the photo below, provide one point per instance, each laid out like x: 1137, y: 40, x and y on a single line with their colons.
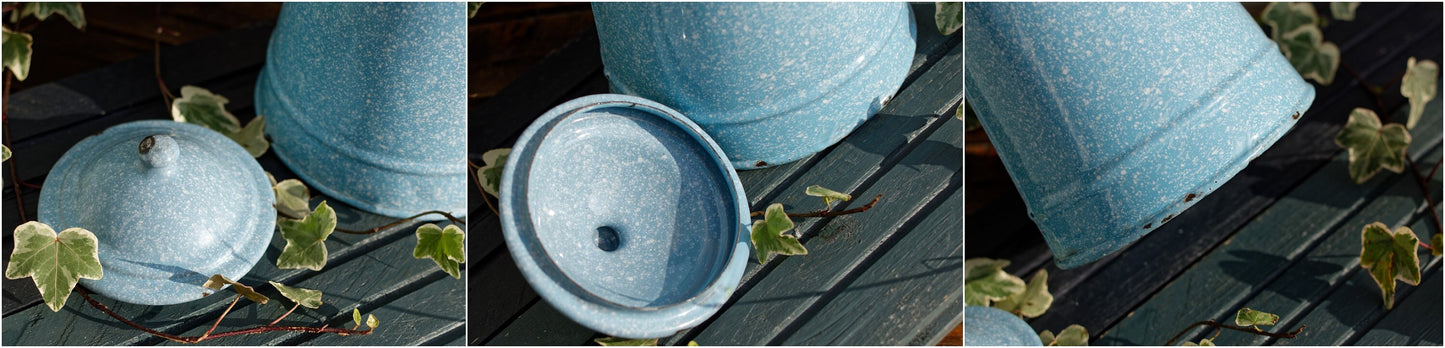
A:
x: 158, y: 151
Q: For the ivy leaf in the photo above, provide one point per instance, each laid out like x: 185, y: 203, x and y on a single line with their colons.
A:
x: 1435, y: 245
x: 1310, y: 55
x: 948, y: 15
x: 306, y: 239
x: 42, y: 10
x: 490, y: 174
x: 17, y: 52
x: 626, y: 342
x: 472, y: 8
x: 1202, y: 343
x: 1372, y: 147
x: 4, y: 153
x: 692, y: 343
x: 1389, y: 256
x: 1033, y: 301
x: 1418, y: 85
x: 54, y: 261
x: 252, y: 137
x: 1074, y: 335
x: 984, y: 281
x: 371, y: 321
x: 218, y: 281
x: 305, y: 297
x: 1284, y: 17
x: 829, y: 196
x: 443, y: 246
x: 200, y: 106
x: 1047, y: 337
x: 1250, y: 317
x: 356, y: 316
x: 769, y: 237
x: 1344, y: 11
x: 292, y: 198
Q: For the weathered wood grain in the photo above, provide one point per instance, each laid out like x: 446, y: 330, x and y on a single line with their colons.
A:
x: 1415, y: 321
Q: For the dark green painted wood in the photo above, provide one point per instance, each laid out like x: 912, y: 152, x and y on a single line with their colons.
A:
x: 914, y: 280
x: 431, y: 312
x: 543, y: 325
x: 1351, y: 309
x: 1415, y: 321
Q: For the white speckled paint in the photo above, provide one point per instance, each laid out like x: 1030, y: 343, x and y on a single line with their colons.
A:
x: 988, y: 326
x: 195, y: 205
x: 771, y: 82
x: 652, y: 176
x: 1109, y: 116
x: 366, y: 102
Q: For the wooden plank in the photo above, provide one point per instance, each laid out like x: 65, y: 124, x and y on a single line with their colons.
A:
x: 913, y: 282
x: 1415, y: 321
x: 417, y: 317
x: 1352, y: 308
x: 501, y: 293
x: 543, y: 325
x: 837, y: 246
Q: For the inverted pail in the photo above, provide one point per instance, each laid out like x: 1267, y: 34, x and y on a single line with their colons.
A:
x: 771, y: 82
x: 1112, y: 118
x: 366, y: 102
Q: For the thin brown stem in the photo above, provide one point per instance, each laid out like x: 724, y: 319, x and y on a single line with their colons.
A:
x: 195, y: 339
x: 449, y: 216
x: 1426, y: 246
x: 1372, y: 90
x: 223, y: 316
x: 1424, y: 191
x: 1433, y: 169
x: 825, y: 212
x: 1211, y: 323
x: 160, y: 82
x: 283, y: 316
x: 14, y: 174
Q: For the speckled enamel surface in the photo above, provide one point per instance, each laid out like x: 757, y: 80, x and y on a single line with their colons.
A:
x: 616, y: 163
x: 1113, y: 118
x: 366, y: 102
x: 771, y: 82
x: 197, y: 205
x: 988, y: 326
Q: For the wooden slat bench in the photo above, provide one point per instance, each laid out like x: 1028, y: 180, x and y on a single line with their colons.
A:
x: 891, y: 275
x: 1283, y: 236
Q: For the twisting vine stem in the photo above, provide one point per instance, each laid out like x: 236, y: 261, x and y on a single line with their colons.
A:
x: 207, y: 336
x: 825, y: 212
x: 1380, y: 107
x: 1211, y: 323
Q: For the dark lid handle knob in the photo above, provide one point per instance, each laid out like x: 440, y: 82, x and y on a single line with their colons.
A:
x: 158, y: 151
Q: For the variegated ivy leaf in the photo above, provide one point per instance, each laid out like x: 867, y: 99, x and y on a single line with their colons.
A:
x: 984, y: 282
x: 356, y: 316
x: 42, y: 10
x: 490, y: 174
x: 305, y: 297
x: 1284, y: 17
x: 446, y: 247
x: 200, y: 106
x: 292, y: 198
x: 252, y: 137
x: 4, y: 153
x: 830, y: 197
x: 1047, y: 337
x: 371, y: 321
x: 1344, y: 11
x: 948, y: 15
x: 1202, y: 343
x: 1418, y: 85
x: 218, y: 281
x: 54, y: 261
x: 1310, y: 55
x: 17, y: 52
x: 1389, y: 256
x: 692, y: 343
x: 1033, y: 301
x: 770, y: 235
x: 626, y: 342
x: 306, y: 239
x: 1372, y: 147
x: 1435, y: 245
x: 1073, y: 335
x: 472, y: 8
x: 1250, y: 317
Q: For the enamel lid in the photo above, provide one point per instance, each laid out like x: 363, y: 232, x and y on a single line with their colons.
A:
x: 170, y: 203
x: 625, y: 216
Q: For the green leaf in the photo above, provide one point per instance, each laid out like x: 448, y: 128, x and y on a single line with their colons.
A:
x: 472, y: 8
x: 252, y: 137
x: 54, y: 261
x: 490, y: 174
x: 218, y: 281
x: 4, y: 153
x: 446, y: 247
x: 769, y: 237
x: 617, y: 341
x: 42, y: 10
x: 305, y: 297
x: 1074, y: 335
x: 1284, y: 17
x: 948, y: 16
x: 984, y: 282
x: 1418, y: 85
x: 829, y: 196
x: 356, y: 316
x: 1344, y: 11
x: 1372, y: 147
x: 692, y: 343
x: 1250, y: 317
x: 1389, y: 256
x: 17, y: 52
x: 306, y: 239
x: 292, y: 198
x: 1202, y: 343
x: 1047, y: 337
x: 371, y: 321
x: 1435, y: 245
x: 200, y: 106
x: 1310, y: 55
x: 1033, y: 301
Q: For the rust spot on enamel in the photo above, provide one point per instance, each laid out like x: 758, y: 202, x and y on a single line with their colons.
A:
x: 1296, y: 115
x: 1166, y: 219
x: 1189, y: 197
x: 1148, y: 225
x: 760, y: 164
